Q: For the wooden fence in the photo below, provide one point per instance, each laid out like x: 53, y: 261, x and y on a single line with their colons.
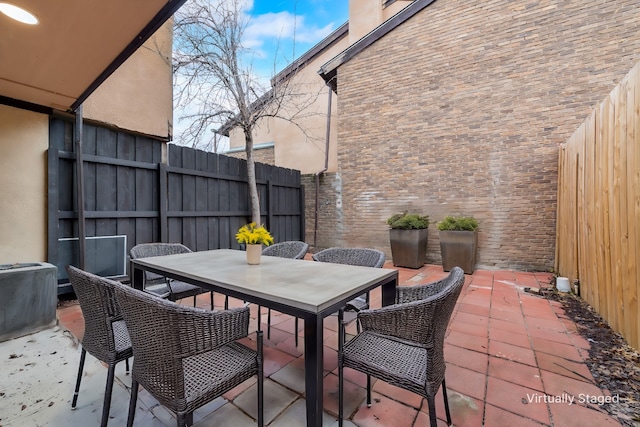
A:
x: 598, y: 224
x: 196, y: 198
x: 208, y: 199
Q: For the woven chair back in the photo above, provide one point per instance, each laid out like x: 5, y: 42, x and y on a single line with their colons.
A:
x: 364, y: 257
x: 291, y: 249
x: 98, y: 305
x: 145, y: 250
x: 444, y: 303
x: 152, y: 324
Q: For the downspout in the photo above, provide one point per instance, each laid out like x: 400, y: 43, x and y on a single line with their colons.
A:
x: 326, y: 165
x: 80, y: 188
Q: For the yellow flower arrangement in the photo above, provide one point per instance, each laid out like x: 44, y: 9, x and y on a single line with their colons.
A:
x: 252, y: 234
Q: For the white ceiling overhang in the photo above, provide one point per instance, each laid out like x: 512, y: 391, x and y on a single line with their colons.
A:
x: 59, y: 62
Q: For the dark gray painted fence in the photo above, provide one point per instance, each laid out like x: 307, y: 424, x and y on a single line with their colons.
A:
x: 199, y: 199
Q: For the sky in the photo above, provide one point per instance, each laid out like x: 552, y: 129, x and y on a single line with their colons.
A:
x: 278, y: 32
x: 282, y: 30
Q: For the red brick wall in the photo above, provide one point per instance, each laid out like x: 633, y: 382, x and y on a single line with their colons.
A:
x: 461, y: 110
x: 329, y: 223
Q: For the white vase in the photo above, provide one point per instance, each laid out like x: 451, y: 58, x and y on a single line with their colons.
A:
x: 254, y: 252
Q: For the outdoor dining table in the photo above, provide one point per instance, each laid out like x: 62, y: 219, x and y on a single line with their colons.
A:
x: 305, y: 289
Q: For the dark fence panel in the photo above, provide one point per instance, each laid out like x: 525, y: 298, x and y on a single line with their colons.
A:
x: 208, y: 199
x: 197, y: 198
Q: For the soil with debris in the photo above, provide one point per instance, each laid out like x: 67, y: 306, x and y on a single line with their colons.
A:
x: 613, y: 363
x: 66, y: 300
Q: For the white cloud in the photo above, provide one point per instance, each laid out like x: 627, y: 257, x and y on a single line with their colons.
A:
x: 283, y: 26
x: 315, y: 34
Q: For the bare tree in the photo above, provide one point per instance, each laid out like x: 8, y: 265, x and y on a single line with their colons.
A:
x: 213, y: 71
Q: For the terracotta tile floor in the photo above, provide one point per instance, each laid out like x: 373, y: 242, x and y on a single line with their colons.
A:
x: 510, y: 356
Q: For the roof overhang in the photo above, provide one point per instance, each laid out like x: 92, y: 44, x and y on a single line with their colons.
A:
x: 59, y: 62
x: 306, y: 58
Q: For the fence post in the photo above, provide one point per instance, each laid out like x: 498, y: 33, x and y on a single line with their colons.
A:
x: 162, y: 197
x: 269, y: 207
x: 53, y: 212
x: 301, y: 206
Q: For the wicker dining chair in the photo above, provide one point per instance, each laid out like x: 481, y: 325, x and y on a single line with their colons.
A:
x: 290, y: 249
x: 363, y: 257
x: 185, y: 357
x: 161, y: 286
x: 403, y: 344
x: 105, y: 333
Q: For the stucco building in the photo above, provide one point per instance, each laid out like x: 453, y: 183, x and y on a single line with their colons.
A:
x: 48, y: 70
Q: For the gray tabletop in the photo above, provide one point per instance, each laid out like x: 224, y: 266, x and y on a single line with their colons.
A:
x: 306, y: 285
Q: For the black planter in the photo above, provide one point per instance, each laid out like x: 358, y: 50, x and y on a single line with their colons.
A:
x: 408, y: 247
x: 459, y: 248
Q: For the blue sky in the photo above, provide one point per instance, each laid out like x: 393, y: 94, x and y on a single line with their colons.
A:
x: 282, y: 30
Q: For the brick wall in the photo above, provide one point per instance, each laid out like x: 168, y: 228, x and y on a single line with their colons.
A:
x: 461, y: 110
x: 329, y: 199
x: 262, y: 155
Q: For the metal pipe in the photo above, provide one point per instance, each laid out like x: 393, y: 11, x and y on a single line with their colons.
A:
x: 326, y: 166
x: 80, y: 188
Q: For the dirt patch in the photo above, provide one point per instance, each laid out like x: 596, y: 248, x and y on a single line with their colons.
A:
x: 613, y: 363
x: 66, y: 300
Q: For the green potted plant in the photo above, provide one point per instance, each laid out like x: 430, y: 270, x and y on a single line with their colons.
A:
x: 458, y: 242
x: 408, y: 237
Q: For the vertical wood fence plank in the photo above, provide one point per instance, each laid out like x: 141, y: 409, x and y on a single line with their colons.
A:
x: 188, y: 198
x: 174, y: 195
x: 631, y: 330
x: 600, y: 198
x: 589, y: 279
x: 89, y: 146
x: 213, y: 203
x: 146, y: 188
x: 126, y: 184
x: 582, y: 225
x: 223, y: 201
x: 200, y: 199
x: 620, y: 208
x: 270, y: 198
x: 607, y: 183
x: 634, y: 336
x: 301, y: 209
x: 106, y: 181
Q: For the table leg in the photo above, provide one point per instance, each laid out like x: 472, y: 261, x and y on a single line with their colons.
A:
x: 313, y: 365
x: 137, y: 277
x: 389, y: 292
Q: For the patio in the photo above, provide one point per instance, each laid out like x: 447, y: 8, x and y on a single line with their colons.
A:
x: 513, y: 358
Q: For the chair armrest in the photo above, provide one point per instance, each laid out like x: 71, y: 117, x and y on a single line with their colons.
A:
x: 158, y: 292
x: 408, y: 321
x: 203, y: 330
